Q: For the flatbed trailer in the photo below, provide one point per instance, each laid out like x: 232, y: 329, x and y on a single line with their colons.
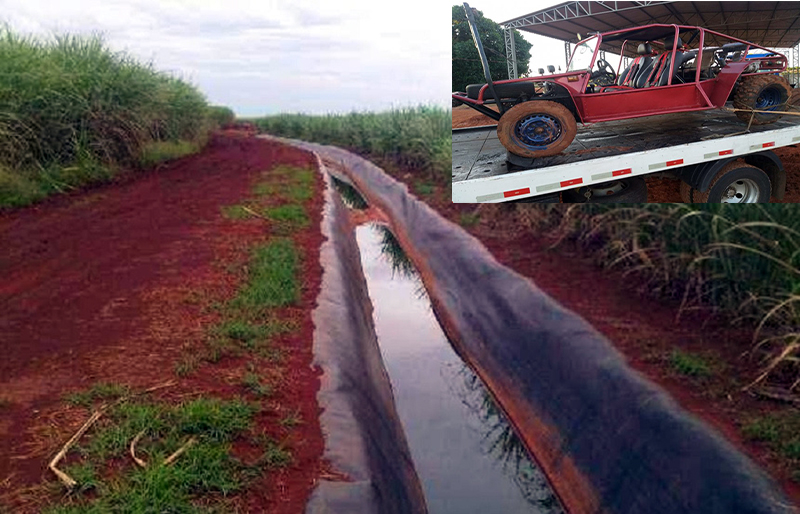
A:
x: 692, y: 146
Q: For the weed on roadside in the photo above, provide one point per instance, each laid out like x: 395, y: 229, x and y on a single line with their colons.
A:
x: 272, y: 280
x: 424, y: 188
x: 252, y: 382
x: 205, y: 467
x: 275, y: 456
x: 780, y: 431
x: 187, y: 364
x: 99, y: 391
x: 469, y: 219
x: 235, y: 212
x: 288, y: 217
x: 291, y: 420
x: 689, y: 364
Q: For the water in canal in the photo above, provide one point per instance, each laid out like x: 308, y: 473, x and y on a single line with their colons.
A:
x: 466, y: 455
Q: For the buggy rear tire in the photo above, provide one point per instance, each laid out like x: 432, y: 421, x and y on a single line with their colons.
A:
x: 761, y: 92
x: 736, y: 182
x: 631, y: 190
x: 537, y: 128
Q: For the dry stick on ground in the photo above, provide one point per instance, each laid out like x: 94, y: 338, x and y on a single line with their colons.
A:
x: 169, y: 460
x: 254, y: 213
x: 135, y: 440
x: 68, y: 480
x: 775, y: 393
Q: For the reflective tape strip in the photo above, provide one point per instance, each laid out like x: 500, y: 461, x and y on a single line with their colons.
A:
x: 488, y: 198
x: 665, y: 164
x: 566, y: 183
x: 611, y: 174
x: 517, y: 192
x: 714, y: 155
x: 762, y: 145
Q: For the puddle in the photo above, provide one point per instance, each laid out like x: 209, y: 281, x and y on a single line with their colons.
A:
x: 467, y: 457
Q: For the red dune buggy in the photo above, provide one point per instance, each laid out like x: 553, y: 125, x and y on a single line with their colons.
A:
x: 676, y: 68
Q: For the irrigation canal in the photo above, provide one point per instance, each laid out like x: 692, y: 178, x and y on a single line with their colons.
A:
x: 466, y: 455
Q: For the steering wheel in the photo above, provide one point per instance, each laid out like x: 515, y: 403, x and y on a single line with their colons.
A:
x: 607, y: 69
x: 604, y: 76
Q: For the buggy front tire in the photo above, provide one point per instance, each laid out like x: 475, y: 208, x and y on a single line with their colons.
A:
x: 537, y: 128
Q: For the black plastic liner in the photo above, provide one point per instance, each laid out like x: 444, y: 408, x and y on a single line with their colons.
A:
x: 608, y: 439
x: 363, y: 436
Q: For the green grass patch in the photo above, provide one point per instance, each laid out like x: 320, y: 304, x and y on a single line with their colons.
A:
x: 249, y: 335
x: 252, y: 382
x: 469, y: 219
x: 156, y: 152
x: 18, y: 189
x: 297, y: 185
x: 100, y: 391
x: 235, y: 212
x: 780, y: 431
x: 273, y: 277
x: 288, y: 217
x: 763, y: 429
x: 291, y: 420
x: 689, y: 364
x: 424, y: 188
x: 205, y: 468
x: 275, y: 456
x: 187, y: 364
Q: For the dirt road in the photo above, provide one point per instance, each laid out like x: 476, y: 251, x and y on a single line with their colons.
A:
x: 117, y: 284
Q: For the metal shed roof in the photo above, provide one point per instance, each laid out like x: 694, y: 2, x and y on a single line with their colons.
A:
x: 770, y: 24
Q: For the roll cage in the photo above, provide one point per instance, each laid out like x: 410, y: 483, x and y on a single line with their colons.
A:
x: 571, y: 88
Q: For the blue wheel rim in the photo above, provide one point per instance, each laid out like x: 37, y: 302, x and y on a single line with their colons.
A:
x: 769, y: 99
x: 538, y: 131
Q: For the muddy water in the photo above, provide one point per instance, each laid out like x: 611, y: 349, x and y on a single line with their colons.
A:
x: 467, y: 457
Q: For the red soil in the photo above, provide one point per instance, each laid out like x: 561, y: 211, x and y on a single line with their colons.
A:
x: 660, y: 190
x: 114, y: 285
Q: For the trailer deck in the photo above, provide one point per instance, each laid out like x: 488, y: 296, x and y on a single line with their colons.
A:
x: 604, y: 151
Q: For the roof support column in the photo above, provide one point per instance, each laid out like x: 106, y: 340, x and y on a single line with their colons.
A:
x: 567, y: 54
x: 794, y: 67
x: 511, y: 52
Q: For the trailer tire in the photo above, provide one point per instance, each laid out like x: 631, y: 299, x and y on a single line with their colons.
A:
x: 763, y: 92
x: 736, y: 182
x: 633, y: 190
x: 537, y: 128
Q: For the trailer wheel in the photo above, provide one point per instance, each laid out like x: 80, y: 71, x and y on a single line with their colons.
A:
x: 537, y: 128
x: 736, y: 182
x: 764, y: 92
x: 632, y: 190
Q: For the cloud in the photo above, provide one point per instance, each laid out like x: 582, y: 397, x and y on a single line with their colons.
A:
x: 271, y: 56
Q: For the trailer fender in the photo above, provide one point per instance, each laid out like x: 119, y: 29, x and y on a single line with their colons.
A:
x: 699, y: 176
x: 773, y: 167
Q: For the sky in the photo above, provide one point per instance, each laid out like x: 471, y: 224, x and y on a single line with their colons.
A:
x: 271, y: 56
